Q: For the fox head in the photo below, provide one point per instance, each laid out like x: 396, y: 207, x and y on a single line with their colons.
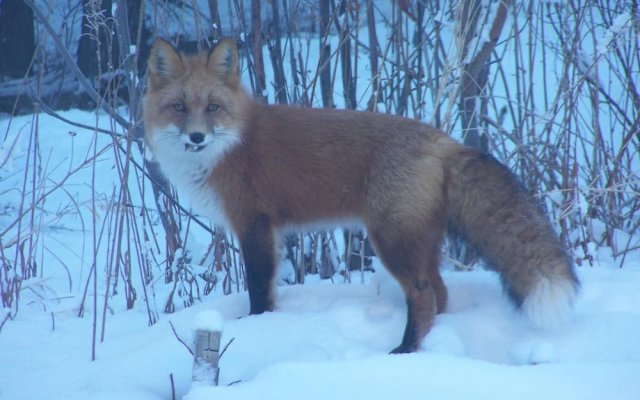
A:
x: 194, y: 105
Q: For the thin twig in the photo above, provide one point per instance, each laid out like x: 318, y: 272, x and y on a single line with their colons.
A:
x: 6, y: 318
x: 173, y: 387
x: 180, y: 340
x: 226, y: 347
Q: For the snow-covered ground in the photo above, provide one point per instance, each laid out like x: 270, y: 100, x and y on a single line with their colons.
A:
x: 330, y: 341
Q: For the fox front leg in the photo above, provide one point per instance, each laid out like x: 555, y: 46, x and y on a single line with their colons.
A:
x: 258, y: 250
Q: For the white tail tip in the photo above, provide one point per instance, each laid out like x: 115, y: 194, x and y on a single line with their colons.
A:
x: 550, y: 303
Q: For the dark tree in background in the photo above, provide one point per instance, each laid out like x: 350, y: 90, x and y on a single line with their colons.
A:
x: 475, y: 74
x: 139, y: 33
x: 324, y: 72
x: 17, y: 39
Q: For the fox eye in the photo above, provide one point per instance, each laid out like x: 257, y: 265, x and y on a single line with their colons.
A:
x: 180, y: 107
x: 213, y: 107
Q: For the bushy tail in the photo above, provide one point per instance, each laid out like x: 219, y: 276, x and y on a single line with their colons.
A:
x: 494, y: 214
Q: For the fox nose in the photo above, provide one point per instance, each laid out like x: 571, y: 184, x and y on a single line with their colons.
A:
x: 196, y: 137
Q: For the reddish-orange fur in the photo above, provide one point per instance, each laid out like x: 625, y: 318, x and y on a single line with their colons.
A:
x: 262, y: 168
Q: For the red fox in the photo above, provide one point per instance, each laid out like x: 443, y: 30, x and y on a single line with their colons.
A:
x: 260, y: 169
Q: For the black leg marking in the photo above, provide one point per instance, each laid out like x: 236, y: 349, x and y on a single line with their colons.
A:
x: 259, y: 261
x: 421, y: 310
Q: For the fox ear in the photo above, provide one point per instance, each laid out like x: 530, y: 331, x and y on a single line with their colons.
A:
x: 223, y: 61
x: 164, y: 61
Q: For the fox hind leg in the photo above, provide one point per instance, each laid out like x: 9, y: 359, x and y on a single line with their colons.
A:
x: 413, y: 259
x: 438, y: 285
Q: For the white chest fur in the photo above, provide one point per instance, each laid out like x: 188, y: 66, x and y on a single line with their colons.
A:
x: 190, y: 172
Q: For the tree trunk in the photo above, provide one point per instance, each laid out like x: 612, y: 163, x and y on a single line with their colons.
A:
x: 325, y: 56
x: 373, y: 56
x: 256, y: 45
x: 275, y: 50
x: 17, y: 43
x: 475, y: 68
x: 215, y: 19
